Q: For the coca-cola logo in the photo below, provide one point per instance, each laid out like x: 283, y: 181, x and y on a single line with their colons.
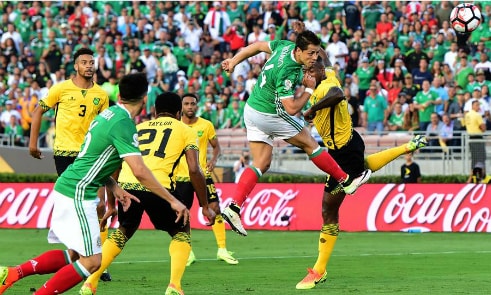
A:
x: 24, y: 206
x: 395, y: 207
x: 266, y: 207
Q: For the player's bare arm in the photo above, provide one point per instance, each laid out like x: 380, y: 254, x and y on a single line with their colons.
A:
x: 37, y: 115
x: 210, y: 166
x: 120, y: 194
x: 148, y: 180
x: 294, y: 105
x: 229, y: 64
x: 199, y: 184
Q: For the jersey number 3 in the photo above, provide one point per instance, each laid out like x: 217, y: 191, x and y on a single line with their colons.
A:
x: 152, y: 133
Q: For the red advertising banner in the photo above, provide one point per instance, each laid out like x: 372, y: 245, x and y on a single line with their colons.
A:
x: 374, y: 207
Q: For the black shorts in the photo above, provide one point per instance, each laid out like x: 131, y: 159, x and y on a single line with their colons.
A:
x: 351, y: 158
x: 186, y: 190
x: 62, y: 162
x: 160, y: 212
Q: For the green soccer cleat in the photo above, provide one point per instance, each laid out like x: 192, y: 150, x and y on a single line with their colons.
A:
x: 8, y: 276
x: 231, y: 214
x: 311, y: 279
x: 87, y: 289
x: 172, y: 290
x: 417, y: 142
x: 226, y: 256
x: 191, y: 258
x: 350, y: 186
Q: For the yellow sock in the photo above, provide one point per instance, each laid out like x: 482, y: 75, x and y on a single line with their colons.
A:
x: 378, y: 160
x: 219, y: 231
x: 327, y: 240
x: 104, y: 235
x: 110, y: 250
x: 179, y: 249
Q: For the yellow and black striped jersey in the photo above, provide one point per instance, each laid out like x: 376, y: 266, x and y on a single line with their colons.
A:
x: 205, y: 132
x: 334, y: 123
x: 163, y: 141
x: 75, y: 108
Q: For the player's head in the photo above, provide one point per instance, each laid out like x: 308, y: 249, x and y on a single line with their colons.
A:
x: 317, y: 70
x: 168, y: 103
x: 133, y: 89
x: 307, y: 47
x: 189, y: 105
x: 84, y: 63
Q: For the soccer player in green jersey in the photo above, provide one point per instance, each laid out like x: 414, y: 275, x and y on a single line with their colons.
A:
x: 163, y: 142
x: 206, y: 135
x: 270, y: 112
x: 112, y: 138
x: 330, y: 115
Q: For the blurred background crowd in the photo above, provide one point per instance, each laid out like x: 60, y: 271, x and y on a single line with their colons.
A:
x: 398, y: 60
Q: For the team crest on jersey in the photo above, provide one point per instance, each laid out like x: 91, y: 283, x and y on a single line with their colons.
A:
x: 135, y: 140
x: 200, y: 133
x: 288, y: 85
x: 96, y: 100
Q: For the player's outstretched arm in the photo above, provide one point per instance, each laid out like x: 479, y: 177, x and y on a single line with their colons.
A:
x: 229, y: 64
x: 123, y: 196
x: 148, y: 180
x: 199, y: 184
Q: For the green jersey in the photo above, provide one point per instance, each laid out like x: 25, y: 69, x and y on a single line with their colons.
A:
x: 279, y: 76
x: 112, y: 136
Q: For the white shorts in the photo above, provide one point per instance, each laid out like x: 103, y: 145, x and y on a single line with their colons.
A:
x: 75, y: 226
x: 265, y: 127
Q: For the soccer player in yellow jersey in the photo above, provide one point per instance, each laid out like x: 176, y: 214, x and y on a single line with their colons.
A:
x: 329, y: 113
x: 206, y: 135
x: 163, y: 141
x: 76, y: 102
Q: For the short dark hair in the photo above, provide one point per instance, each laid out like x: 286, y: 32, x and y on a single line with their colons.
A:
x: 82, y: 51
x: 305, y: 38
x: 190, y: 95
x: 133, y: 87
x: 168, y: 102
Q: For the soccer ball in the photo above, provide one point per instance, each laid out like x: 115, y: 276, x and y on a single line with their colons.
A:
x: 465, y: 17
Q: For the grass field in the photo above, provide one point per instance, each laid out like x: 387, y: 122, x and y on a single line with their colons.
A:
x: 273, y: 262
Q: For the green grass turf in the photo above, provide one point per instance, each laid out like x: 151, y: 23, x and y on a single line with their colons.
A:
x: 273, y: 262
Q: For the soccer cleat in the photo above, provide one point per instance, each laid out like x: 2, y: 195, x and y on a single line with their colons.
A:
x: 191, y: 258
x: 87, y: 289
x: 231, y: 214
x: 350, y: 187
x: 8, y: 276
x: 416, y: 142
x: 226, y: 256
x: 311, y: 279
x: 172, y: 290
x: 106, y: 276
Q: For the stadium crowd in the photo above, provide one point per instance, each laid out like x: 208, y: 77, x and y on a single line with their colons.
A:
x: 399, y: 61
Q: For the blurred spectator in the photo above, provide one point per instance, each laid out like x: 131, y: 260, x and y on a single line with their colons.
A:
x: 256, y: 35
x: 216, y: 23
x: 425, y: 101
x: 413, y: 57
x: 353, y: 107
x: 8, y: 112
x: 475, y: 127
x: 374, y: 111
x: 362, y: 76
x: 433, y: 131
x: 410, y: 172
x: 396, y: 118
x: 14, y: 130
x: 337, y: 51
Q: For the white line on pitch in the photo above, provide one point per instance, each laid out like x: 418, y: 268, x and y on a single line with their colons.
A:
x: 310, y: 256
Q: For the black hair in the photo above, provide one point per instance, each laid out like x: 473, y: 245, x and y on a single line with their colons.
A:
x: 82, y: 51
x: 191, y: 95
x: 168, y: 102
x: 133, y: 87
x: 306, y: 38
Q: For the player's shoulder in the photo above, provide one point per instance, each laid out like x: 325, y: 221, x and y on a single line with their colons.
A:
x: 205, y: 123
x: 98, y: 88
